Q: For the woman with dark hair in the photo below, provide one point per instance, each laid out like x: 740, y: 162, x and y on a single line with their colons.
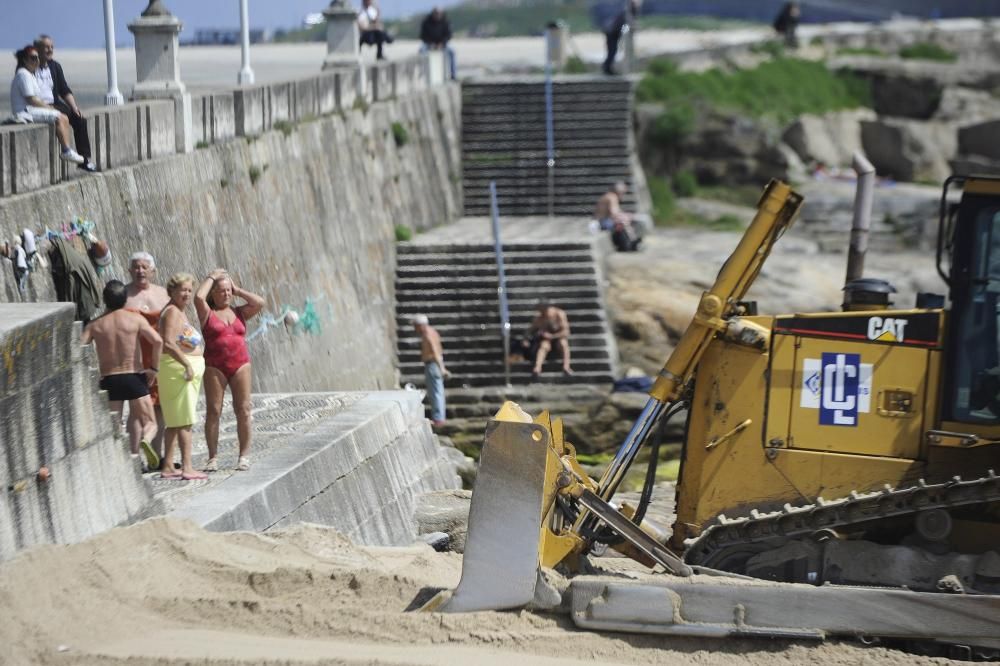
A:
x: 27, y: 105
x: 227, y: 359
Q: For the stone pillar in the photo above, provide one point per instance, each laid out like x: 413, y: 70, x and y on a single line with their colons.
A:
x: 556, y: 40
x: 113, y: 96
x: 158, y: 73
x: 245, y: 77
x: 341, y: 35
x: 342, y: 48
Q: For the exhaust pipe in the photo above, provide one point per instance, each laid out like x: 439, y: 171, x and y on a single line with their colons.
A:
x: 861, y: 293
x: 862, y: 221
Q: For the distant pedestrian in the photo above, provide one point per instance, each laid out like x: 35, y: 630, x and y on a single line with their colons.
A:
x: 372, y: 28
x: 116, y: 335
x: 787, y: 22
x: 57, y: 94
x: 613, y: 30
x: 432, y: 355
x: 550, y: 328
x: 227, y: 359
x: 27, y: 105
x: 435, y: 33
x: 182, y: 368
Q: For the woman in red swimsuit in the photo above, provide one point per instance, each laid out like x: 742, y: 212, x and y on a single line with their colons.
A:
x: 227, y: 360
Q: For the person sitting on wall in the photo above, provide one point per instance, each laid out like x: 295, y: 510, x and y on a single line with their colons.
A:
x: 116, y: 335
x: 55, y: 92
x: 372, y: 29
x: 27, y: 105
x: 435, y: 32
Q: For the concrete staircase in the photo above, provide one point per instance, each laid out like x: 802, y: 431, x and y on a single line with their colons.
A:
x: 503, y: 139
x: 455, y: 285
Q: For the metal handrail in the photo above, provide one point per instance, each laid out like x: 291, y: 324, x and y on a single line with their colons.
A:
x: 504, y: 306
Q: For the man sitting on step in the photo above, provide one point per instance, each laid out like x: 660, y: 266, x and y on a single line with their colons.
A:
x: 549, y: 329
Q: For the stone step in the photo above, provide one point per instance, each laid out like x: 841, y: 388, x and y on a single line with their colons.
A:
x: 518, y: 307
x: 552, y: 282
x: 527, y: 394
x: 439, y: 248
x: 473, y: 368
x: 510, y: 181
x: 517, y: 319
x: 519, y: 376
x: 460, y: 295
x: 581, y: 129
x: 494, y: 353
x: 451, y: 331
x: 535, y: 204
x: 513, y: 144
x: 514, y: 271
x: 487, y: 344
x: 477, y: 258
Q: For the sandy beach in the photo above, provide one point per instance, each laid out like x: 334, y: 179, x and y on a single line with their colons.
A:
x: 166, y: 592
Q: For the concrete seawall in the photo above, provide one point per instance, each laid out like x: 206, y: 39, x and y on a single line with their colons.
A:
x: 52, y: 416
x: 303, y: 214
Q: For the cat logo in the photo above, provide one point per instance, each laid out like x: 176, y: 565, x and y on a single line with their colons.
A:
x: 887, y: 329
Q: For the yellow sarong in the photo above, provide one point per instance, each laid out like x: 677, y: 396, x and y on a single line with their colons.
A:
x: 178, y: 396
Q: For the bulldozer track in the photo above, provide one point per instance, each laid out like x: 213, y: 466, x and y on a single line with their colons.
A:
x: 760, y: 528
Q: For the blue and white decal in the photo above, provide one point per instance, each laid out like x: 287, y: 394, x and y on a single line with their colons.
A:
x: 839, y: 386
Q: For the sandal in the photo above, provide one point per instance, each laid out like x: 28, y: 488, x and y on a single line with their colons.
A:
x: 243, y: 464
x: 194, y: 476
x: 171, y: 477
x: 212, y: 465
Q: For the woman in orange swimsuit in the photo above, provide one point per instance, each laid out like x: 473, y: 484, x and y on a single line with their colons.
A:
x: 227, y: 360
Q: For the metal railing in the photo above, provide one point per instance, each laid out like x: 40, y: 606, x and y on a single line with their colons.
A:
x: 504, y: 305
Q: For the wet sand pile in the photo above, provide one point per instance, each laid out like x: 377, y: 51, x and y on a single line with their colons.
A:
x: 167, y: 592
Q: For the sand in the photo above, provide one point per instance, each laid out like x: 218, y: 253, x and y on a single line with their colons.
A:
x: 166, y: 592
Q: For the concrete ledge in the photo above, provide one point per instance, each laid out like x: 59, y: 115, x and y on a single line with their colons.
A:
x: 359, y: 470
x: 30, y: 157
x: 53, y: 415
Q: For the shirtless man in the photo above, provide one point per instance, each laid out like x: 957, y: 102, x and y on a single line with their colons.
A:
x: 432, y: 355
x: 147, y: 299
x: 550, y: 328
x: 624, y: 232
x: 116, y: 334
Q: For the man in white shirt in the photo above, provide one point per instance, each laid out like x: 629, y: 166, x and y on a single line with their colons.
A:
x: 27, y: 105
x: 57, y: 94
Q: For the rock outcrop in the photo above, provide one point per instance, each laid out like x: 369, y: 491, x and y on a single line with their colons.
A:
x: 909, y: 150
x: 830, y: 139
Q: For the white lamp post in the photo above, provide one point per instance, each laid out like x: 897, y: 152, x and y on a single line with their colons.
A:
x: 246, y: 73
x: 113, y: 96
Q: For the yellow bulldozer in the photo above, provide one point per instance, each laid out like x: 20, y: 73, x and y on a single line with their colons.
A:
x: 837, y: 472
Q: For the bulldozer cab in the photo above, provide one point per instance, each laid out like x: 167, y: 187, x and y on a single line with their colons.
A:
x: 969, y: 235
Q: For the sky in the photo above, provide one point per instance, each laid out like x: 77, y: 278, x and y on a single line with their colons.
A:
x: 80, y: 23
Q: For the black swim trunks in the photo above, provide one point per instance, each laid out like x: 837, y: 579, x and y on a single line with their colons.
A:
x: 130, y: 386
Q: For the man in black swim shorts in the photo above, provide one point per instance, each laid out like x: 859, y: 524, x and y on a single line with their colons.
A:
x: 116, y: 335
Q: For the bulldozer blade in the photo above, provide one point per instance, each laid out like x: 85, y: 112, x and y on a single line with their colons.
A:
x: 783, y: 610
x: 501, y: 561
